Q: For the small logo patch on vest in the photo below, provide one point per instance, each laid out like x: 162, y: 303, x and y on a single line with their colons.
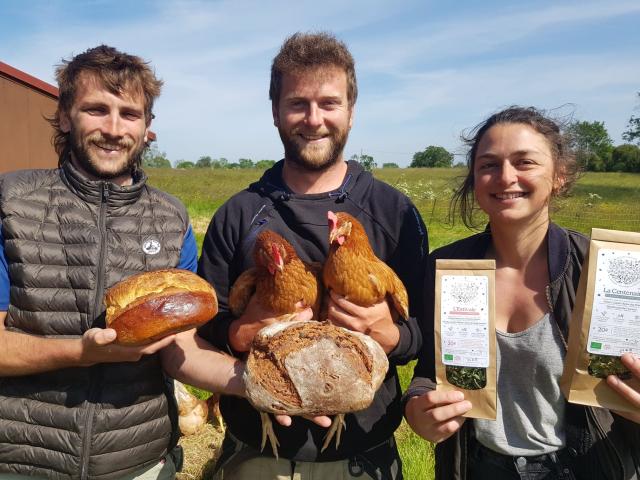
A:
x: 151, y: 246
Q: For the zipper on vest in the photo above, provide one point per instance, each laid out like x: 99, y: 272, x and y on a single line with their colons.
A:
x: 86, y: 440
x: 102, y: 226
x: 95, y: 376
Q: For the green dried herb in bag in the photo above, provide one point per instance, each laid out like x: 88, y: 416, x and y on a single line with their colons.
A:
x: 469, y: 378
x: 602, y: 366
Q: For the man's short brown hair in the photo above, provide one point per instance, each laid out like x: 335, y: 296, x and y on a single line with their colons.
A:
x: 306, y: 51
x: 117, y: 71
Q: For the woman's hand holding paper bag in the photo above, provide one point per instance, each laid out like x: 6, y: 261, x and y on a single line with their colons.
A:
x: 631, y: 394
x: 437, y: 415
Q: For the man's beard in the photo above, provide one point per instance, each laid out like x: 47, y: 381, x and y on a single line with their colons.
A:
x: 310, y: 157
x: 81, y: 150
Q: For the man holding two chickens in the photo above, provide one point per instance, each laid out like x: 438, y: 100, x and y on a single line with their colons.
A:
x: 313, y: 91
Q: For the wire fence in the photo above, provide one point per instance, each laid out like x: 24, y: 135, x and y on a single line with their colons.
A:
x: 581, y: 212
x: 601, y: 200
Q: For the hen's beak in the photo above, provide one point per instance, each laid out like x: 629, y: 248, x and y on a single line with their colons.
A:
x: 332, y: 235
x: 338, y: 234
x: 333, y: 224
x: 277, y: 258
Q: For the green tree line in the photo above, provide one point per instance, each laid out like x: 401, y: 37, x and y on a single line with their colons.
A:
x: 589, y: 141
x: 154, y: 158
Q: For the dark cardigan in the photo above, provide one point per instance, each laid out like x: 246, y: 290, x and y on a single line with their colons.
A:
x: 604, y: 444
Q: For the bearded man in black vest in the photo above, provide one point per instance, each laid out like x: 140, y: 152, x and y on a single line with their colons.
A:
x: 72, y: 403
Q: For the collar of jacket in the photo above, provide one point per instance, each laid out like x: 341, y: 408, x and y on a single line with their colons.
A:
x: 91, y: 191
x: 272, y: 185
x: 558, y: 252
x: 561, y: 251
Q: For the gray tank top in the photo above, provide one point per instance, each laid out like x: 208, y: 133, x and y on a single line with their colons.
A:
x: 530, y: 416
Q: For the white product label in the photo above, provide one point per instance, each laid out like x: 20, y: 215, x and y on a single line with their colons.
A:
x: 615, y: 317
x: 464, y: 320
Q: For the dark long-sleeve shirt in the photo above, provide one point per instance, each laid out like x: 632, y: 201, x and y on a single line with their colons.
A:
x: 398, y: 236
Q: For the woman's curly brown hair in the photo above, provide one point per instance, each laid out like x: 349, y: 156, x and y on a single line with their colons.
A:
x: 565, y: 164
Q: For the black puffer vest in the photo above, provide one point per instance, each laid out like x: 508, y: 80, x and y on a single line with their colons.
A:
x: 66, y: 240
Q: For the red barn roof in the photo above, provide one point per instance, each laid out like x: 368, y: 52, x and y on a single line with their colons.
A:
x: 28, y: 80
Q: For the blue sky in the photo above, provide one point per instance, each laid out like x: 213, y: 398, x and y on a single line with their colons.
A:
x: 427, y: 70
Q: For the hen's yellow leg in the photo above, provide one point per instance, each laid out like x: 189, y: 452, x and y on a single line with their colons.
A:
x: 267, y: 432
x: 336, y: 428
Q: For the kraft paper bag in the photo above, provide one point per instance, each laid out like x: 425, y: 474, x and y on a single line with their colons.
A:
x: 605, y: 321
x: 465, y: 332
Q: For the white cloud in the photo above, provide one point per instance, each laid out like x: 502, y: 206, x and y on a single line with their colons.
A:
x: 435, y: 107
x: 423, y: 77
x: 468, y: 33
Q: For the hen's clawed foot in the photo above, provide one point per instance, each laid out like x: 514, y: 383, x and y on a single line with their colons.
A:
x: 267, y: 432
x: 336, y: 428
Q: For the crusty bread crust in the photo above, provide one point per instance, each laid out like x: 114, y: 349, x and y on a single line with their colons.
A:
x: 151, y: 305
x: 313, y: 368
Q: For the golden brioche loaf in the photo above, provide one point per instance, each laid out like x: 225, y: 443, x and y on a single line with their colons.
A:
x: 148, y: 306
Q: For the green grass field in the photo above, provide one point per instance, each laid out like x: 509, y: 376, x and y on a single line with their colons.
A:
x: 603, y: 200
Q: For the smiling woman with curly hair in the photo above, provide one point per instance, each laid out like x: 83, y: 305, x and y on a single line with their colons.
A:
x: 518, y: 162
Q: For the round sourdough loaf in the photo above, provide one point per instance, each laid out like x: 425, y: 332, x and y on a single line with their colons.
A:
x: 313, y: 368
x: 148, y: 306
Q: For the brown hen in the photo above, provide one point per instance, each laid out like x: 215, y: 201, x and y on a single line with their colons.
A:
x: 353, y: 270
x: 283, y: 284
